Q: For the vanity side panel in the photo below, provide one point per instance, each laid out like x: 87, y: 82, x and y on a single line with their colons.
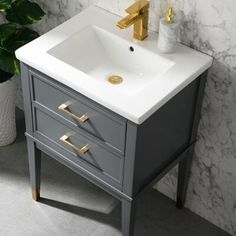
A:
x: 162, y: 137
x: 130, y: 154
x: 26, y: 87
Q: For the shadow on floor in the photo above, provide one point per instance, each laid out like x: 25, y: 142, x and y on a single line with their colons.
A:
x: 87, y: 213
x: 156, y: 215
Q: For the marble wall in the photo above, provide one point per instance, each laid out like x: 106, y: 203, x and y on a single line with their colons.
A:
x: 208, y: 26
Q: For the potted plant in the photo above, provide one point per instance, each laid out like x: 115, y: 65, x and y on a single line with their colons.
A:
x: 17, y: 15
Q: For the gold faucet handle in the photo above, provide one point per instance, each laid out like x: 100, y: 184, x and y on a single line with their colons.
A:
x: 138, y: 6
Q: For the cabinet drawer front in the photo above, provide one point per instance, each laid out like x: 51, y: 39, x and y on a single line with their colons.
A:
x: 100, y: 123
x: 101, y: 159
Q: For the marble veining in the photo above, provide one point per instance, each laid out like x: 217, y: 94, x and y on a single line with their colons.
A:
x: 208, y: 26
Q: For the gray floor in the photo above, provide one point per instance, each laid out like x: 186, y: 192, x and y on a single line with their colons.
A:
x: 72, y: 206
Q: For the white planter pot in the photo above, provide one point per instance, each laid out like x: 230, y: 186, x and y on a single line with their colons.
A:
x: 7, y: 111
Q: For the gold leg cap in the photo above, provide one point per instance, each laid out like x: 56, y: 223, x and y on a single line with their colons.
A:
x: 36, y: 194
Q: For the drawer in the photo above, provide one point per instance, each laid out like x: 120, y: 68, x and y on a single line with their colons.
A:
x: 80, y: 148
x: 104, y: 125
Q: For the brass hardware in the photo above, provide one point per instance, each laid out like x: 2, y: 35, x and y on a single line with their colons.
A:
x: 127, y: 21
x: 115, y: 79
x: 138, y: 16
x: 63, y: 107
x: 82, y: 150
x: 170, y: 15
x: 35, y: 194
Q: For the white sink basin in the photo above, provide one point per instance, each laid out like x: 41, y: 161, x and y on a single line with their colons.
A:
x: 101, y: 54
x: 84, y: 51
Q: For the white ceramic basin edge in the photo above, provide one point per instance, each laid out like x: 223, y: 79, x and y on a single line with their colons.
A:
x: 147, y: 87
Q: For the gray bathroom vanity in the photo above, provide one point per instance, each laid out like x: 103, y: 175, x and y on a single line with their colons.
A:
x: 119, y: 156
x: 124, y: 136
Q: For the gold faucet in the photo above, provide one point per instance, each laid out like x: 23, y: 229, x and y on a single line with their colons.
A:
x: 138, y: 16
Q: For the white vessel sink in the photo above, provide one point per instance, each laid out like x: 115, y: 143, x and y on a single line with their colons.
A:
x: 101, y: 54
x: 86, y: 50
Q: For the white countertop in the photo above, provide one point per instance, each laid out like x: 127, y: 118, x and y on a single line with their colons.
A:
x: 188, y: 65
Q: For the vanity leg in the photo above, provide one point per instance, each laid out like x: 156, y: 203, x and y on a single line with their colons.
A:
x: 183, y: 178
x: 128, y: 217
x: 185, y: 165
x: 34, y: 157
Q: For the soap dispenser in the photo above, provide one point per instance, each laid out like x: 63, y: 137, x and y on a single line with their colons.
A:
x: 168, y: 32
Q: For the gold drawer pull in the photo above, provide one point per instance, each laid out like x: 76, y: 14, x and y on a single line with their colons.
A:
x: 82, y: 150
x: 81, y: 119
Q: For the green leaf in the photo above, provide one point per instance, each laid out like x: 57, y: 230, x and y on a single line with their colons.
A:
x: 24, y: 12
x: 5, y: 5
x: 4, y: 76
x: 6, y: 31
x: 21, y: 37
x: 8, y: 62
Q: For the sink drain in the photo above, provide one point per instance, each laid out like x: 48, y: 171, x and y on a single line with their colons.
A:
x: 115, y: 79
